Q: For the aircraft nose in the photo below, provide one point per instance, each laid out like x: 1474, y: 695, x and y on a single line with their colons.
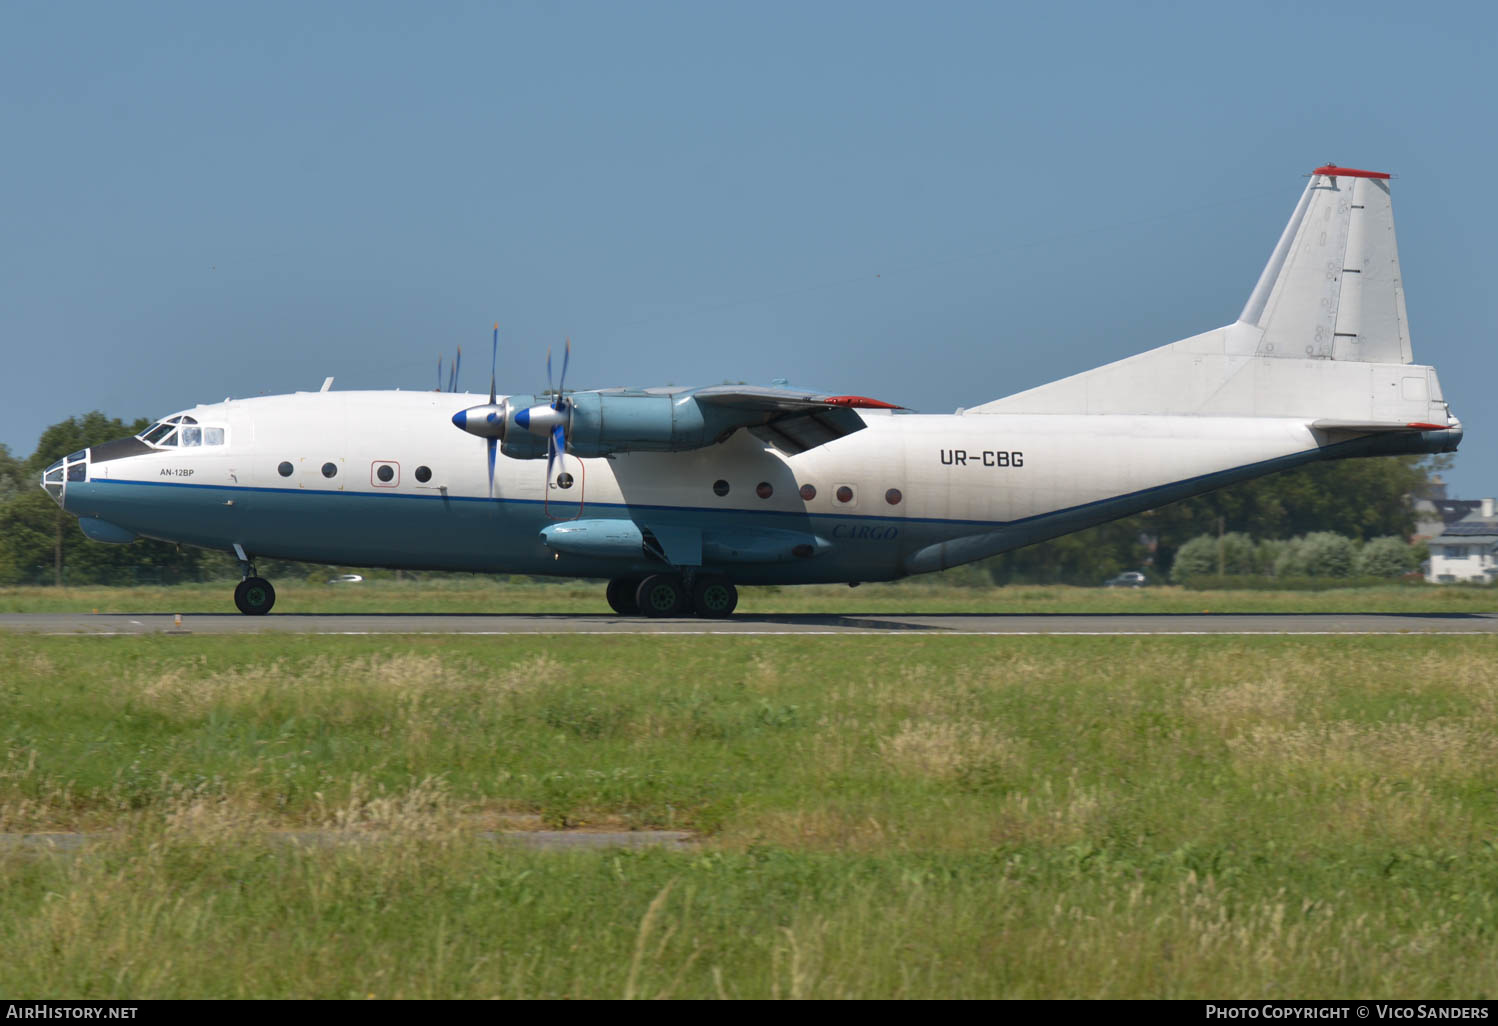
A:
x: 55, y: 478
x: 52, y: 481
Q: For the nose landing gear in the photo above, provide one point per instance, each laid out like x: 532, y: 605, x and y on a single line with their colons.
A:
x: 254, y: 595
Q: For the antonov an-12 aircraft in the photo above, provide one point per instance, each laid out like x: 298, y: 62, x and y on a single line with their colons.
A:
x: 676, y: 495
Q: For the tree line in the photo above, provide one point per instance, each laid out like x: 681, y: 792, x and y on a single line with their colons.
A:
x: 1359, y: 499
x: 1318, y: 554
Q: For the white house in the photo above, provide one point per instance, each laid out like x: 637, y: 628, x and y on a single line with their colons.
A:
x: 1468, y: 549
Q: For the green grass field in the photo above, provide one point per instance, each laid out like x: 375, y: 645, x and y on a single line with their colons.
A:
x: 918, y: 595
x: 877, y: 816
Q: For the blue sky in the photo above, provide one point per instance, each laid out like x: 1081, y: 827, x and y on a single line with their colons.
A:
x: 934, y: 204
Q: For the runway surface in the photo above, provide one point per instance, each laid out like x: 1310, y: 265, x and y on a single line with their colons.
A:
x: 923, y: 625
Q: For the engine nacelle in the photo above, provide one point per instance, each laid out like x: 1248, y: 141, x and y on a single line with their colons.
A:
x: 615, y: 420
x: 600, y: 423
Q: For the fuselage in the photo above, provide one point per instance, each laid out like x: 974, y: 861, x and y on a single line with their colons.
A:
x: 383, y: 479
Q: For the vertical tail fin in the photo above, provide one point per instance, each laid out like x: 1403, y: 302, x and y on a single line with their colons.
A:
x: 1324, y: 336
x: 1332, y: 288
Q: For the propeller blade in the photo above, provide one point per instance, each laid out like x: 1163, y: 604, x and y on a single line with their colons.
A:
x: 439, y: 372
x: 561, y: 384
x: 492, y: 445
x: 548, y: 368
x: 493, y: 363
x: 457, y: 365
x: 556, y: 445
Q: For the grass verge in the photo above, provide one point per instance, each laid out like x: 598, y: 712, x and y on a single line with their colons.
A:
x: 884, y: 816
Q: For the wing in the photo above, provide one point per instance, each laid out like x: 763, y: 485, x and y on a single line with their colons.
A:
x: 791, y: 420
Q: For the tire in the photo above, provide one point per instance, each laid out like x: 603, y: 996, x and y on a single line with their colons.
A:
x: 714, y: 598
x: 661, y: 595
x: 254, y: 596
x: 622, y: 597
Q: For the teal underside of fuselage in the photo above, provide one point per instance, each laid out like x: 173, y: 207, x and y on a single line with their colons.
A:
x: 440, y: 532
x: 435, y: 532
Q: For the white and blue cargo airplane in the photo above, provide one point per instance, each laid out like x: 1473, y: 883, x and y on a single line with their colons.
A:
x: 675, y: 495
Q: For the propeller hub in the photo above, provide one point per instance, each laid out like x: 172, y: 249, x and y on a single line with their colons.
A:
x: 487, y: 421
x: 542, y: 420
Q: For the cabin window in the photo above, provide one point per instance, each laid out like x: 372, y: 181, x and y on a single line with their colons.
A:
x: 285, y: 469
x: 764, y: 489
x: 808, y: 492
x: 330, y: 470
x: 844, y: 494
x: 423, y: 474
x: 720, y: 487
x: 893, y: 496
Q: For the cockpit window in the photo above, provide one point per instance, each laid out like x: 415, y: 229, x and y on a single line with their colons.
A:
x: 181, y: 430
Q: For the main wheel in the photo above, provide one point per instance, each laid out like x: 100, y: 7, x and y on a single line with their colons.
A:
x: 621, y: 596
x: 714, y: 598
x: 254, y: 596
x: 661, y: 595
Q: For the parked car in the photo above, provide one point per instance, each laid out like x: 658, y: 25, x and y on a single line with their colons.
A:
x: 346, y: 579
x: 1127, y: 579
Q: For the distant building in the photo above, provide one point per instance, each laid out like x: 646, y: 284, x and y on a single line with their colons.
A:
x: 1468, y: 549
x: 1434, y: 512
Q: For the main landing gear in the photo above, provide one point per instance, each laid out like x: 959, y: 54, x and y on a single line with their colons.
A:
x: 671, y: 595
x: 254, y: 596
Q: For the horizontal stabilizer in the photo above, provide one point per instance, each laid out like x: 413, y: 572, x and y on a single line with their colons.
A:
x: 1374, y: 426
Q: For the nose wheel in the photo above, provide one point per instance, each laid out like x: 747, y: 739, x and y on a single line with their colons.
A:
x: 254, y: 596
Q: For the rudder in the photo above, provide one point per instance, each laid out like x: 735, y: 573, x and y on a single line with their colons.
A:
x: 1332, y: 288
